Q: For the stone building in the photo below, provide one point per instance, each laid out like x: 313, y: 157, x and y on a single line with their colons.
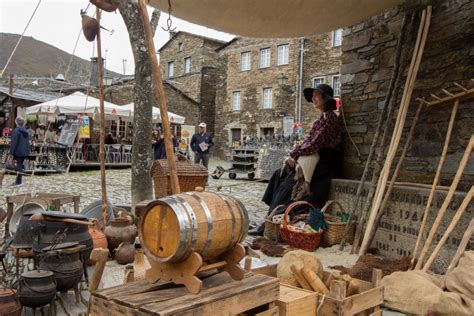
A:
x: 368, y: 56
x: 188, y: 63
x: 259, y: 85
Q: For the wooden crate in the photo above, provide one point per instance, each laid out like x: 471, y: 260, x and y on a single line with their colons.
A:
x: 294, y: 301
x: 221, y: 295
x: 370, y: 299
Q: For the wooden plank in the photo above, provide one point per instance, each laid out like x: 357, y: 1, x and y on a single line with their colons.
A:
x: 102, y: 307
x: 294, y: 301
x: 270, y: 270
x: 360, y: 302
x: 232, y: 297
x: 131, y: 288
x: 462, y: 96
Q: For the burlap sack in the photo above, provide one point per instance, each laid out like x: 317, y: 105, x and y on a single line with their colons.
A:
x: 417, y: 292
x: 461, y: 279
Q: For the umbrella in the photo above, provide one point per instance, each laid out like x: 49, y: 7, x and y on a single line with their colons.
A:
x: 174, y: 118
x: 275, y: 18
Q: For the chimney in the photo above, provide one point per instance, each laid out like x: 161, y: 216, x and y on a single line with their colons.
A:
x: 94, y: 79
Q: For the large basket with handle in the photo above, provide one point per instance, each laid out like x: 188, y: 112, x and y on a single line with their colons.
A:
x: 303, y: 240
x: 190, y: 176
x: 336, y: 225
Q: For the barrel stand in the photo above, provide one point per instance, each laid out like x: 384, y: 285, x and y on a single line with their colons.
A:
x: 185, y: 272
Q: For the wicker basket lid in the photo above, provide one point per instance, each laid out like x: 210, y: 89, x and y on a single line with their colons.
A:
x: 183, y: 168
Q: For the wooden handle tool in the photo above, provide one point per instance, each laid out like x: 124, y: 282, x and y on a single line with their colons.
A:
x: 300, y: 278
x: 314, y: 281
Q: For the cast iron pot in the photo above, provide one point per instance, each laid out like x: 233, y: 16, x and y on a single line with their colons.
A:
x: 66, y: 264
x: 37, y: 288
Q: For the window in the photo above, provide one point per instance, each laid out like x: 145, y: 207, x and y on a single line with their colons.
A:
x: 267, y: 98
x: 337, y: 38
x: 282, y: 54
x: 170, y: 69
x: 267, y: 131
x: 318, y: 80
x: 265, y: 55
x: 245, y: 58
x: 236, y: 101
x: 336, y: 85
x: 180, y: 47
x: 187, y: 65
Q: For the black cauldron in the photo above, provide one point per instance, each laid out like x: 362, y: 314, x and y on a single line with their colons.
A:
x: 48, y: 233
x: 66, y: 264
x: 37, y: 288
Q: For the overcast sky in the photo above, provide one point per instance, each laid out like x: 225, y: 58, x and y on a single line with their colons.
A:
x: 58, y: 23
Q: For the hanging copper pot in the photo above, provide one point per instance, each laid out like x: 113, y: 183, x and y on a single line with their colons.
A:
x: 120, y: 230
x: 9, y: 304
x: 106, y: 5
x: 98, y: 239
x: 90, y: 27
x: 125, y: 253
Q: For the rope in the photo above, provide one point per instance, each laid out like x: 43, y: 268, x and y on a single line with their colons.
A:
x: 347, y: 130
x: 19, y: 40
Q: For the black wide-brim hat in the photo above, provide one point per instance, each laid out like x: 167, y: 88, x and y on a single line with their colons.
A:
x: 324, y: 89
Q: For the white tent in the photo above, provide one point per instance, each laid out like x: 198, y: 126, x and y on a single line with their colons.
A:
x: 174, y: 118
x: 78, y: 103
x: 275, y: 18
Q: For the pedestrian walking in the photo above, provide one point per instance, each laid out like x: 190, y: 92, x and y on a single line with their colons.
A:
x: 20, y: 147
x: 201, y: 142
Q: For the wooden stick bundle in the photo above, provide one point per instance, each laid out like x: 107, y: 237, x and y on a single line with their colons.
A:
x: 409, y: 85
x: 435, y: 181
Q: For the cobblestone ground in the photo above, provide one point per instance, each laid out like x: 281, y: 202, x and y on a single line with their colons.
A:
x: 87, y: 185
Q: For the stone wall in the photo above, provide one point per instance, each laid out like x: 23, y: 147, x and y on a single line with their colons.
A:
x: 367, y: 62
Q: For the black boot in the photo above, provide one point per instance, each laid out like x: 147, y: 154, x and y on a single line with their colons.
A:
x: 257, y: 231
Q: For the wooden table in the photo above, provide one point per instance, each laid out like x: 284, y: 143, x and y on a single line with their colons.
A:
x: 52, y: 200
x: 221, y: 295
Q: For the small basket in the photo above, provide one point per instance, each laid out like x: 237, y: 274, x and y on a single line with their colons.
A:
x: 333, y: 235
x: 302, y: 240
x: 190, y: 176
x: 272, y: 229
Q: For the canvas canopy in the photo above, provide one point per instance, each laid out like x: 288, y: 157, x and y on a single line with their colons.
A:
x: 174, y: 118
x: 275, y: 18
x: 78, y: 103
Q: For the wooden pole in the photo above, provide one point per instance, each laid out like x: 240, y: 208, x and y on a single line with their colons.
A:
x: 381, y: 209
x: 160, y: 96
x: 13, y: 109
x: 462, y: 246
x: 435, y: 182
x: 455, y: 220
x: 409, y: 85
x: 446, y: 202
x: 102, y: 125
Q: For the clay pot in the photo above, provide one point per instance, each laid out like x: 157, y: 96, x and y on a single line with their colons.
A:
x: 120, y: 230
x: 106, y: 5
x: 9, y: 304
x: 37, y: 288
x: 98, y: 240
x: 125, y: 253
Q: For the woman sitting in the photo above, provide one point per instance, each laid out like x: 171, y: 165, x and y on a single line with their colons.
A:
x: 318, y: 157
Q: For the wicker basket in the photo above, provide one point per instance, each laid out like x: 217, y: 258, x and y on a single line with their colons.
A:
x: 190, y: 176
x: 333, y: 235
x: 272, y: 229
x: 302, y: 240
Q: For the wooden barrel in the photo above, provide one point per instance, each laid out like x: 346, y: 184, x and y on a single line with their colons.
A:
x: 207, y: 223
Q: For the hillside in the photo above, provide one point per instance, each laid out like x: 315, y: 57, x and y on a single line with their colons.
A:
x: 36, y: 58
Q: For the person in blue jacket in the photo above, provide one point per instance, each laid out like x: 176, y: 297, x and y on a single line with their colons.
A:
x: 20, y: 147
x: 201, y: 142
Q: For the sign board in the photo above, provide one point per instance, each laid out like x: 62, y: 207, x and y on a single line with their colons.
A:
x: 288, y: 125
x: 398, y: 230
x: 69, y: 133
x: 84, y: 129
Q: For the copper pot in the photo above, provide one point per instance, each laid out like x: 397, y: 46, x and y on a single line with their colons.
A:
x: 125, y: 253
x: 9, y: 304
x: 120, y: 230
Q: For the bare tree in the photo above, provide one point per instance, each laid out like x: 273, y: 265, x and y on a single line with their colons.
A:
x: 144, y: 98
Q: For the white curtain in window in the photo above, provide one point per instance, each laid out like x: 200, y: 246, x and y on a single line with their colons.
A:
x: 170, y: 69
x: 282, y: 54
x: 187, y: 65
x: 245, y: 61
x: 336, y: 85
x: 236, y: 101
x: 267, y: 98
x: 265, y: 57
